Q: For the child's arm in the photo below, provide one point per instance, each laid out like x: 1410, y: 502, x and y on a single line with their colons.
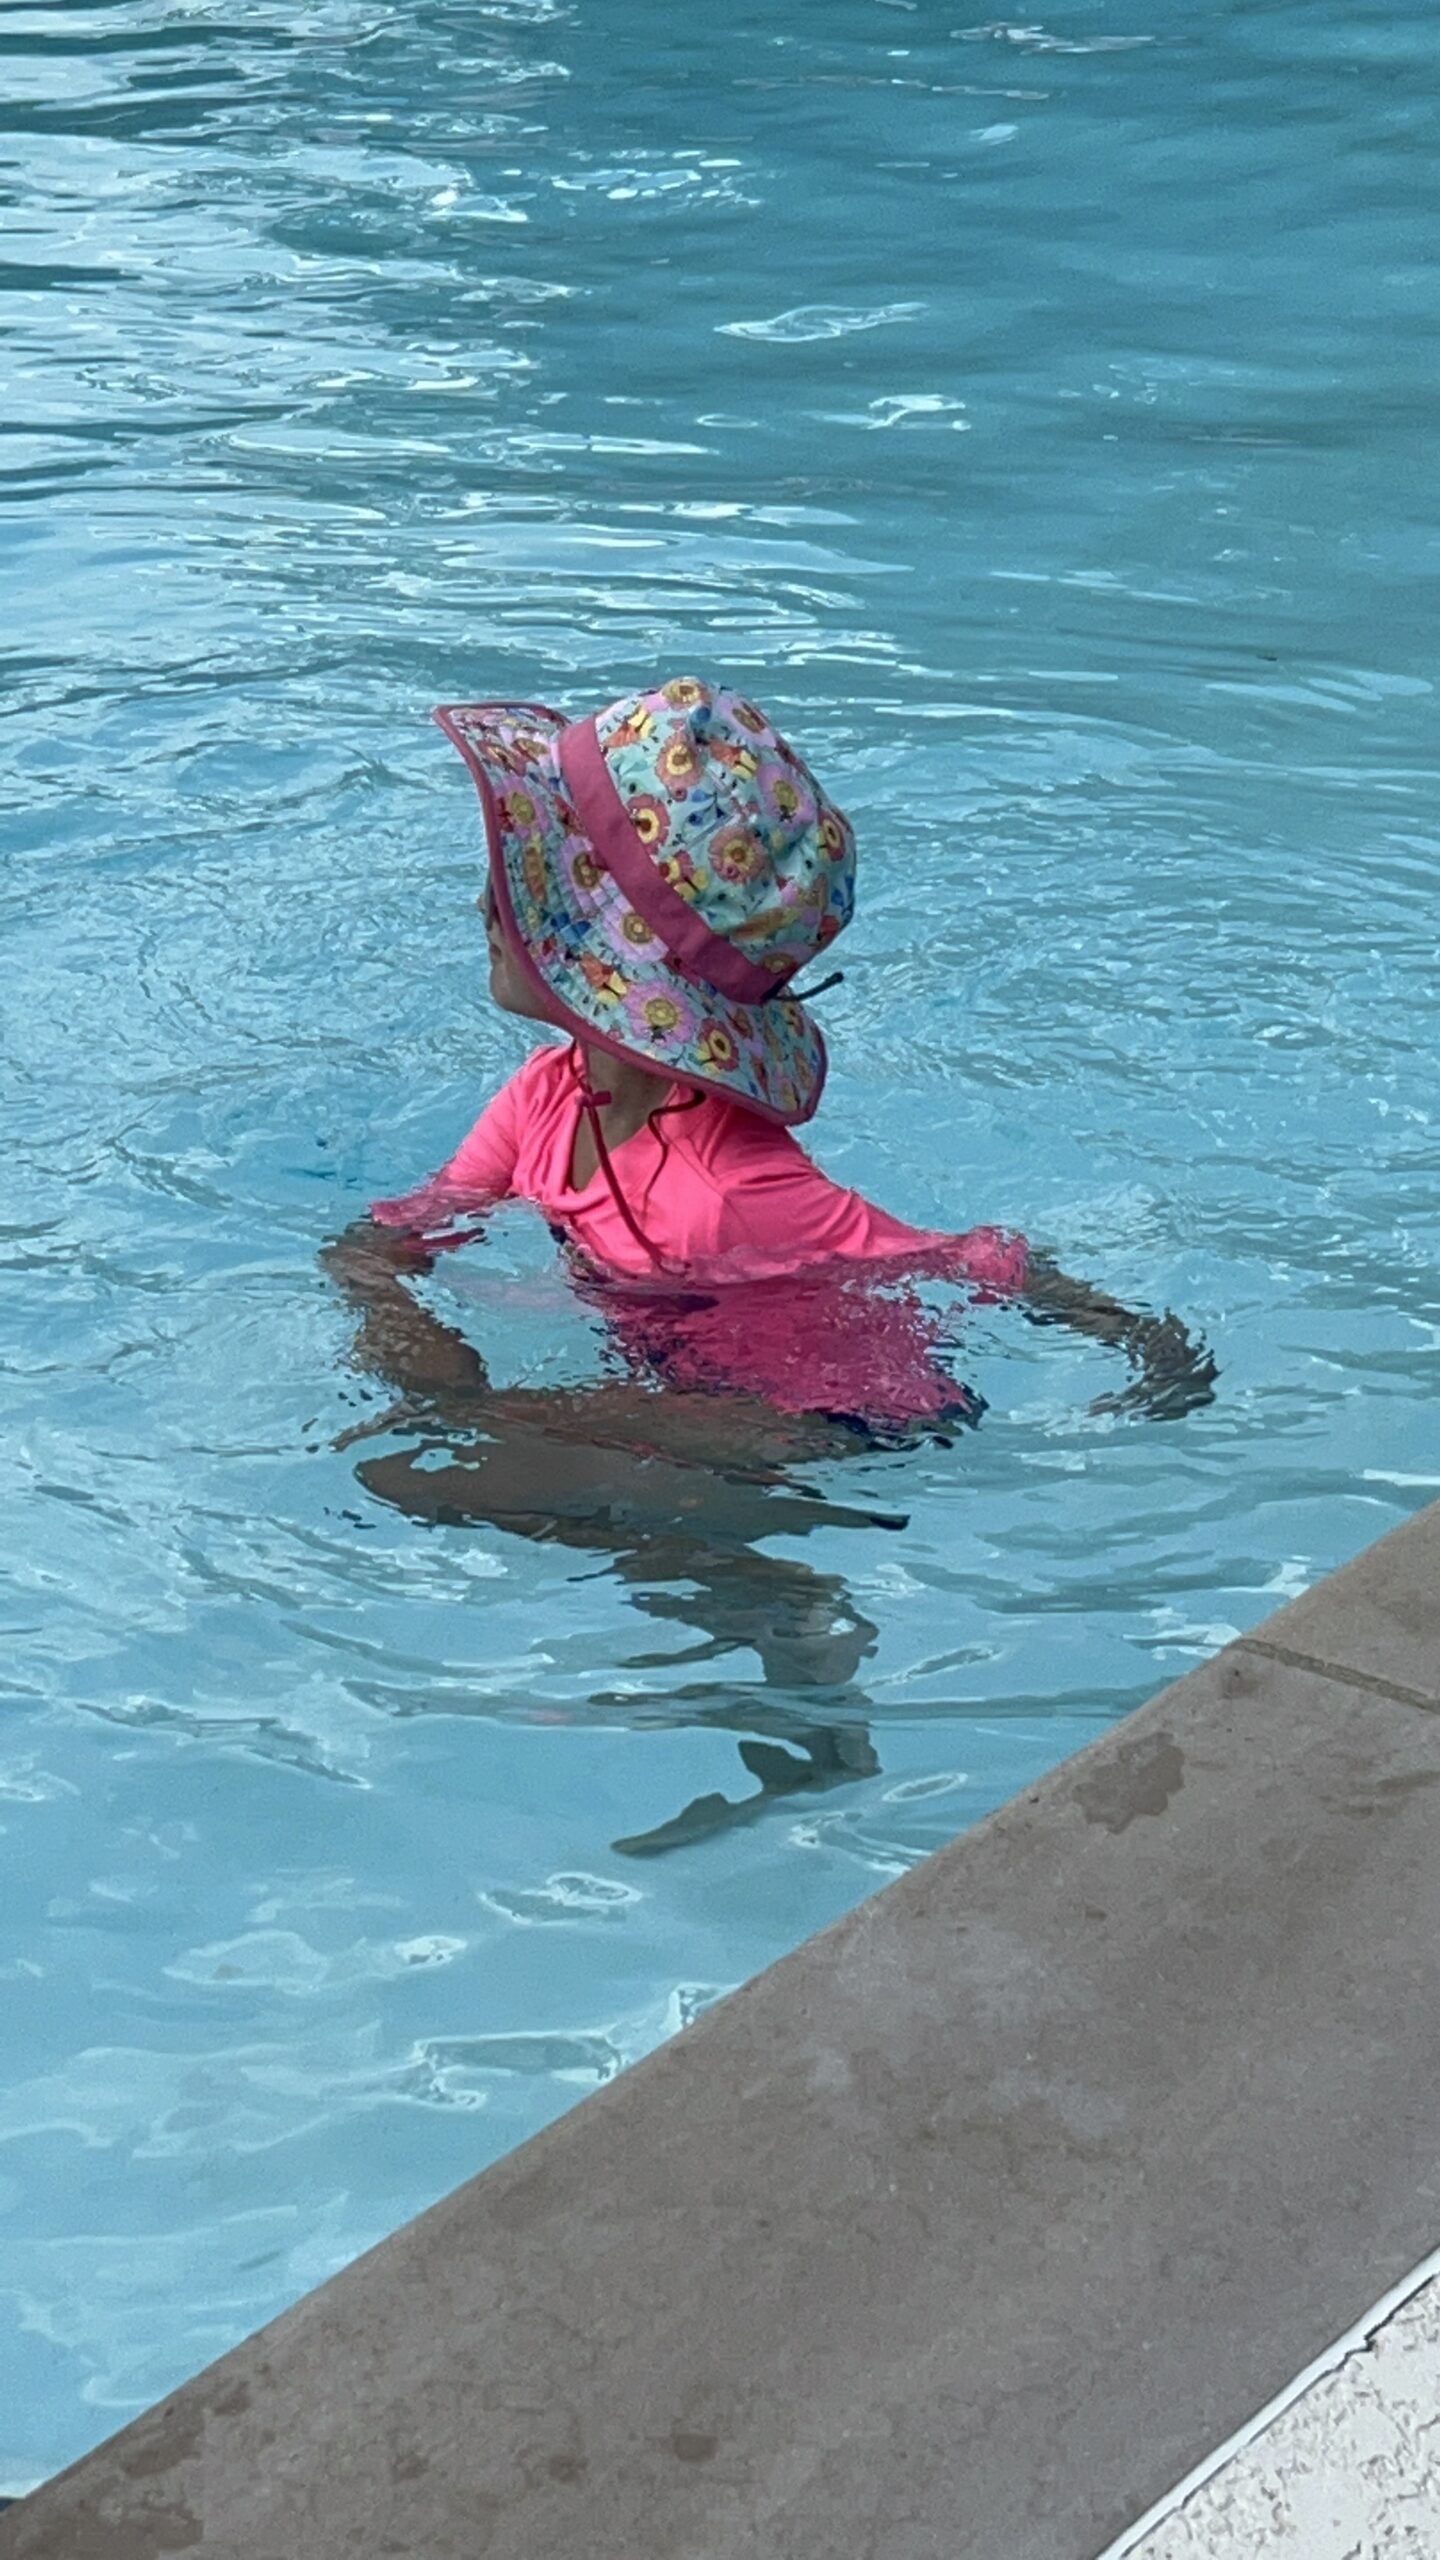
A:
x: 1174, y: 1373
x: 401, y: 1239
x: 397, y: 1338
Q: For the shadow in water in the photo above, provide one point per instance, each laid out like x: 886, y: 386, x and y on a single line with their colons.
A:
x: 683, y: 1536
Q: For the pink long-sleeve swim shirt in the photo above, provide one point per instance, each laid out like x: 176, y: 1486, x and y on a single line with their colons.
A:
x: 753, y: 1253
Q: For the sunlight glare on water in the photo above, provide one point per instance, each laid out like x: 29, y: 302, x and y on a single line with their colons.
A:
x: 1038, y: 420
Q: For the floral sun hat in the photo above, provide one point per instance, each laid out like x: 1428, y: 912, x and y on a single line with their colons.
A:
x: 662, y: 870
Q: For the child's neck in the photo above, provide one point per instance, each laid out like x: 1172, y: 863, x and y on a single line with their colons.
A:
x: 632, y: 1092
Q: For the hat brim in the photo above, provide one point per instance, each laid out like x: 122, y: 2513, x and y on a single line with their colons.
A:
x: 600, y: 967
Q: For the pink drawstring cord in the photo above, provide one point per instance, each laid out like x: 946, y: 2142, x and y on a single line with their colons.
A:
x: 591, y: 1104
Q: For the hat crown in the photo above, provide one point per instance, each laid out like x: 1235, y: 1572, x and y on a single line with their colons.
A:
x: 733, y: 820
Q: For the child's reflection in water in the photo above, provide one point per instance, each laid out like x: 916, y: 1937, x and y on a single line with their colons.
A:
x: 681, y: 1533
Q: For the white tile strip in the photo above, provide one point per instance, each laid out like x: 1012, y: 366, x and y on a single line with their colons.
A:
x: 1334, y: 2357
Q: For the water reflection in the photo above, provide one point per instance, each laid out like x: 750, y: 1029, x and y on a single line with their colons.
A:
x: 683, y: 1535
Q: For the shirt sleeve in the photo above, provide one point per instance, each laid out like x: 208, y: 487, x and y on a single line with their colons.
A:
x: 784, y: 1213
x: 481, y: 1171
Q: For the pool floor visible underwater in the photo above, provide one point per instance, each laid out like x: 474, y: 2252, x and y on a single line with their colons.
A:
x: 1037, y: 419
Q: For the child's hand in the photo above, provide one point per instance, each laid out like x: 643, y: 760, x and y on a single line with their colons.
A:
x: 1176, y: 1373
x: 367, y: 1253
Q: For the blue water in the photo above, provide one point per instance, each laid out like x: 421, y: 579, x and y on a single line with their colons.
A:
x: 1039, y: 420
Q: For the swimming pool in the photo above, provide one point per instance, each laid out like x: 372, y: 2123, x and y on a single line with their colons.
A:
x: 1047, y: 405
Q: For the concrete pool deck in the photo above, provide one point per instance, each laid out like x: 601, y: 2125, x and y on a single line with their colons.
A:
x: 964, y: 2233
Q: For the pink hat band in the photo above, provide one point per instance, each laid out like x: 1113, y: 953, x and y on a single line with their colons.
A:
x: 698, y: 953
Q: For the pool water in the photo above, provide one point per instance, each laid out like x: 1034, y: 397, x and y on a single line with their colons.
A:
x: 1039, y: 421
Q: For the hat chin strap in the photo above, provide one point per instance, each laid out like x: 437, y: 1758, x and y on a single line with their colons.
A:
x: 591, y: 1104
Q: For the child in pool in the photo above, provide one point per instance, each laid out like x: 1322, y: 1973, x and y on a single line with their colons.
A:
x: 658, y: 875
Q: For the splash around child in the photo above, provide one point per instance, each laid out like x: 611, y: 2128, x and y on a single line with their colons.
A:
x: 660, y: 875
